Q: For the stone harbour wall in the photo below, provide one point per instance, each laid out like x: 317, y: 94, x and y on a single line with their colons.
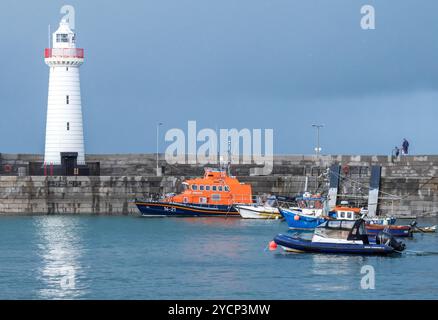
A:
x: 409, y: 185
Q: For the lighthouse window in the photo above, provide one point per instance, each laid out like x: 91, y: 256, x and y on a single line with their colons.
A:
x: 62, y: 37
x: 68, y: 126
x: 67, y: 99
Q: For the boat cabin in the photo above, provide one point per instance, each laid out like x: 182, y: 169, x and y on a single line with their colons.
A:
x: 342, y: 231
x: 310, y: 204
x: 216, y: 187
x: 346, y: 212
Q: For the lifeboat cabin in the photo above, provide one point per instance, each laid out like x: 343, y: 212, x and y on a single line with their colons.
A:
x: 215, y: 188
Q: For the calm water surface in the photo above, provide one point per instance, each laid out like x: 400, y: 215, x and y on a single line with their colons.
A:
x: 77, y: 257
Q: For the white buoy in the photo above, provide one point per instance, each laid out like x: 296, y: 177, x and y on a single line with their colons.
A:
x: 64, y: 128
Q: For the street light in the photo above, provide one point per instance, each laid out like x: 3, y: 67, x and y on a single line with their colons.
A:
x: 158, y: 134
x: 318, y: 148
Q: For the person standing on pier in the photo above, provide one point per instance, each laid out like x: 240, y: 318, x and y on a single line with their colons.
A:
x: 405, y: 147
x: 395, y: 153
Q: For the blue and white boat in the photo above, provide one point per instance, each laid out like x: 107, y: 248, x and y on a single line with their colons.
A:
x: 297, y: 220
x: 313, y: 211
x: 307, y: 215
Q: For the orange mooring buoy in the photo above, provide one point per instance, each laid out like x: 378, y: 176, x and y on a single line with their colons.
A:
x: 297, y: 217
x: 272, y: 246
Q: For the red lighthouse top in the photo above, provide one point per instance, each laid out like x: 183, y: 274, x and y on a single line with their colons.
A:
x: 64, y: 53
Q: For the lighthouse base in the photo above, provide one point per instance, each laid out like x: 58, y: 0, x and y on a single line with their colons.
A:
x: 69, y: 167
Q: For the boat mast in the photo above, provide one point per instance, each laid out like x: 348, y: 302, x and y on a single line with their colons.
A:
x: 229, y: 157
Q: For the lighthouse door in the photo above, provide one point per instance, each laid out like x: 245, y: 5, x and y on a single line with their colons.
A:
x: 69, y: 162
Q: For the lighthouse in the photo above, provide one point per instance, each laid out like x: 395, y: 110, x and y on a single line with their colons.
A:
x: 64, y: 127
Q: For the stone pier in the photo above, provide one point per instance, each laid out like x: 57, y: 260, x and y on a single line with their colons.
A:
x: 409, y: 185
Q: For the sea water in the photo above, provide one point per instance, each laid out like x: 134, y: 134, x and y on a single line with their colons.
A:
x: 129, y: 257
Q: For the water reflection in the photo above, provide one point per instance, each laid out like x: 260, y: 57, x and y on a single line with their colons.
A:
x: 334, y: 268
x: 325, y: 264
x: 59, y: 246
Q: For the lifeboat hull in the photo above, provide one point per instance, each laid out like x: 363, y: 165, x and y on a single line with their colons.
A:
x: 170, y: 209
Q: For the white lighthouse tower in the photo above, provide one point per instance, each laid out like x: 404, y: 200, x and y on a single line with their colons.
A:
x: 64, y: 129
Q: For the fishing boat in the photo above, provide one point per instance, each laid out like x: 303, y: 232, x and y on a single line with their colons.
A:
x: 339, y: 237
x: 262, y: 210
x: 258, y: 212
x: 395, y: 230
x: 297, y: 220
x: 427, y: 229
x: 214, y: 194
x: 307, y: 215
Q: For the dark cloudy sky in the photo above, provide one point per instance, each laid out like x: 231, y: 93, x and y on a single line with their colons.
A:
x: 281, y: 64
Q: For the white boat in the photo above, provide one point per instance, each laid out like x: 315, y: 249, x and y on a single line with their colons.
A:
x: 258, y: 212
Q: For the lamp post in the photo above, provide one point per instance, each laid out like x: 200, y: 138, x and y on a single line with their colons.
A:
x: 158, y: 134
x: 318, y: 148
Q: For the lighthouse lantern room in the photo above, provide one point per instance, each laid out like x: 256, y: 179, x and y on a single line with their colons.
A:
x: 64, y: 127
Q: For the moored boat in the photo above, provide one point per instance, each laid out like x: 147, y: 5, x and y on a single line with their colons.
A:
x: 307, y: 215
x: 258, y: 212
x: 427, y: 229
x: 395, y: 230
x: 296, y: 220
x: 265, y: 208
x: 214, y: 194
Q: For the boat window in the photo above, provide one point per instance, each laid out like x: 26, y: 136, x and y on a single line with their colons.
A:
x: 334, y: 224
x: 220, y: 188
x: 349, y: 215
x: 207, y: 188
x: 185, y: 200
x: 227, y: 188
x: 342, y: 214
x: 214, y: 188
x: 215, y: 197
x: 194, y: 187
x: 201, y: 188
x: 347, y: 225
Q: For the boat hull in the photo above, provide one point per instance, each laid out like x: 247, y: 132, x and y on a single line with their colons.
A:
x: 291, y: 244
x: 170, y: 209
x: 258, y: 212
x: 396, y: 231
x: 300, y: 222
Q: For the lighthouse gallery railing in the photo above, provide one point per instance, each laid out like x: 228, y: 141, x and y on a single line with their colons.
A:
x: 64, y: 53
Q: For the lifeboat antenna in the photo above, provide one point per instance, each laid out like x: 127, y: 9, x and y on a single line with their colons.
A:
x: 229, y: 157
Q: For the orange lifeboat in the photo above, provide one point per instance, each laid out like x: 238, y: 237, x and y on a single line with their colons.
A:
x: 214, y: 194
